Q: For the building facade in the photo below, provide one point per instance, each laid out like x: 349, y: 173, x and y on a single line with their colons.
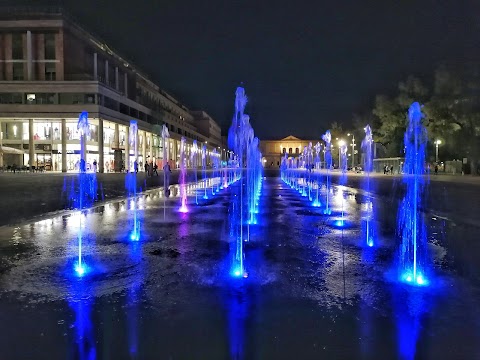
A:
x: 274, y: 150
x: 51, y: 70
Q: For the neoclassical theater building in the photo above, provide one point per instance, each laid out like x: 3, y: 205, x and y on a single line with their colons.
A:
x: 51, y: 70
x: 274, y: 150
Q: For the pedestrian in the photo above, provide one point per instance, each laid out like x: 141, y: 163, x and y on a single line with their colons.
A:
x: 146, y: 167
x: 135, y: 166
x: 155, y: 167
x: 385, y: 170
x: 436, y: 169
x: 95, y: 165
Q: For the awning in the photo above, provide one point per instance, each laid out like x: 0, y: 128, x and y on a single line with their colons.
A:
x: 10, y: 150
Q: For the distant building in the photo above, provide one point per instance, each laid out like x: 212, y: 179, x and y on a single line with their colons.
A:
x: 51, y: 69
x: 274, y: 150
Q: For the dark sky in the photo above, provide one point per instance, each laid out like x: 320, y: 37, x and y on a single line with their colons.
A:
x: 304, y: 64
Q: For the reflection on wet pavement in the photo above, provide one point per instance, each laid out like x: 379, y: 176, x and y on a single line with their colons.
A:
x: 315, y: 290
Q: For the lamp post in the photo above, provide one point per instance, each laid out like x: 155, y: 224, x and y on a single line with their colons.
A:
x: 437, y: 142
x: 353, y: 149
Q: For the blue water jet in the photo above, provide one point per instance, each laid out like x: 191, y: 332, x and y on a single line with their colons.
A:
x: 327, y: 137
x: 410, y: 223
x: 368, y: 213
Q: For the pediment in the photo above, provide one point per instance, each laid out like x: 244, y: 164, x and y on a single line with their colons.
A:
x: 291, y: 137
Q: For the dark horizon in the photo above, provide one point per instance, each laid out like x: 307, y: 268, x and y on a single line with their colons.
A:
x: 303, y: 67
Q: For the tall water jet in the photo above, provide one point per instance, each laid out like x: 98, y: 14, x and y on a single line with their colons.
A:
x: 194, y: 163
x: 367, y: 146
x: 410, y: 222
x: 236, y: 141
x: 87, y: 188
x: 318, y: 149
x: 309, y: 169
x: 131, y: 180
x: 165, y: 167
x: 343, y: 164
x: 204, y: 170
x: 327, y: 137
x: 183, y: 176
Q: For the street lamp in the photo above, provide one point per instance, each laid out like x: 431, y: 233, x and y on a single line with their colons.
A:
x: 437, y: 142
x: 353, y: 149
x: 341, y: 143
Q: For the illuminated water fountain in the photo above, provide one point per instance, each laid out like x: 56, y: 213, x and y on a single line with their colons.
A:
x: 183, y: 176
x: 166, y: 175
x: 318, y: 149
x: 327, y: 137
x: 244, y: 195
x: 131, y: 181
x: 204, y: 170
x: 86, y: 193
x: 367, y: 146
x: 194, y: 162
x: 411, y: 224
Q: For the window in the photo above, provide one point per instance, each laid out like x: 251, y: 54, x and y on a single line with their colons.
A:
x: 289, y: 150
x: 17, y: 46
x: 11, y: 98
x: 40, y: 98
x: 17, y: 71
x: 50, y: 72
x: 49, y: 46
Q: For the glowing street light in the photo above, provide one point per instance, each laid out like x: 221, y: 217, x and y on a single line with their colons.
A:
x: 437, y: 142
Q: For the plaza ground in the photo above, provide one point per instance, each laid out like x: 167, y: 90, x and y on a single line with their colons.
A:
x: 313, y: 290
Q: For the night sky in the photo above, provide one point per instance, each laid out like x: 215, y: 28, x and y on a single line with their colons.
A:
x: 304, y: 64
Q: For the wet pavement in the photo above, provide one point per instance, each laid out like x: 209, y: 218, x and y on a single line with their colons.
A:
x: 314, y: 290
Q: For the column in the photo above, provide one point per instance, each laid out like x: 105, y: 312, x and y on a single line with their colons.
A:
x: 106, y: 73
x: 116, y: 137
x: 144, y: 147
x: 125, y: 84
x: 64, y: 145
x: 31, y: 147
x: 101, y: 161
x: 117, y: 81
x: 29, y: 56
x: 150, y: 135
x: 95, y: 66
x: 127, y: 148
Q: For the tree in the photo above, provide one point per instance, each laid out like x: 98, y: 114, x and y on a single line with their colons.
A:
x: 453, y: 113
x: 391, y: 114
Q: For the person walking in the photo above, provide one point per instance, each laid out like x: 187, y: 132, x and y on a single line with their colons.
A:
x: 436, y: 169
x: 135, y: 166
x: 95, y: 166
x: 155, y: 167
x: 146, y: 168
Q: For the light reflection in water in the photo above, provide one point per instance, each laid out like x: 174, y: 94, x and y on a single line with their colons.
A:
x: 83, y: 327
